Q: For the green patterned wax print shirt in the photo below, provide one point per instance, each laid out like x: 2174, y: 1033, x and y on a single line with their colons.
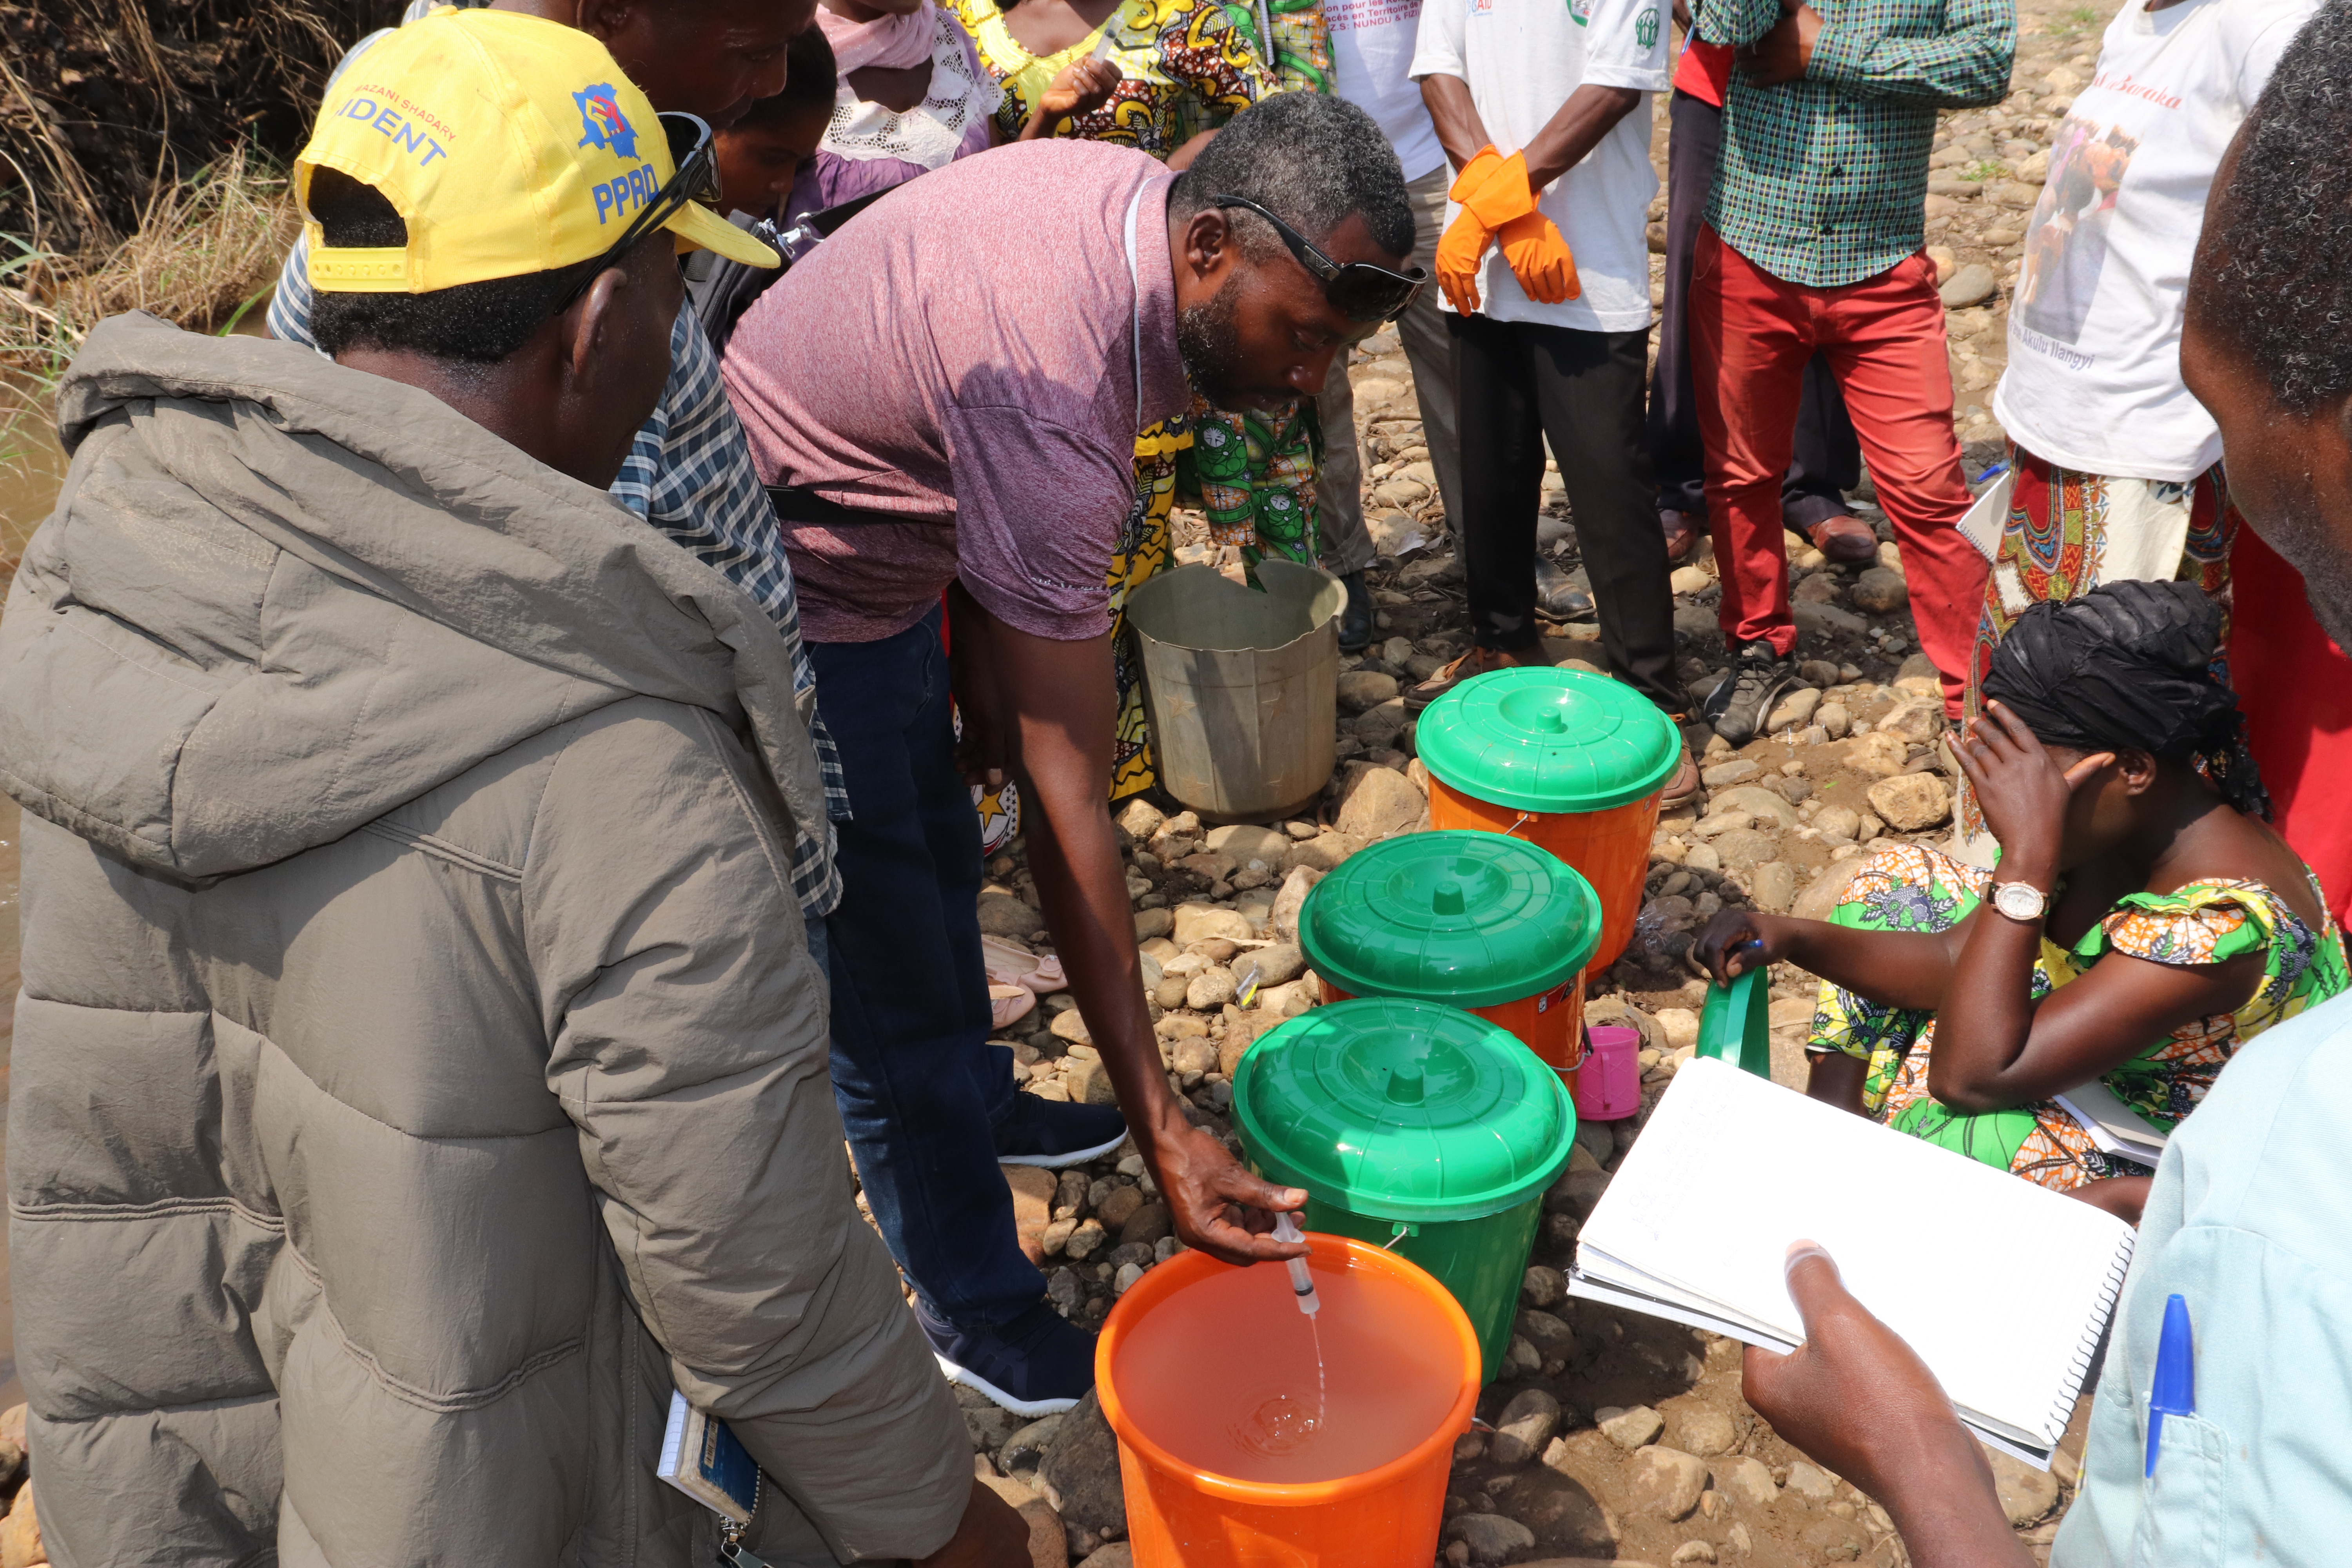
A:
x: 1823, y: 181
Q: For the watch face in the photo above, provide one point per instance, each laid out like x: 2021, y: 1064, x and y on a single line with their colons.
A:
x: 2017, y: 900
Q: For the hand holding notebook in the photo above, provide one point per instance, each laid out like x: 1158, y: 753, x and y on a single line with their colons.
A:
x: 2001, y: 1287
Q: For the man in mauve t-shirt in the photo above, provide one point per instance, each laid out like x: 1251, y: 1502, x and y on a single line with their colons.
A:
x: 946, y: 397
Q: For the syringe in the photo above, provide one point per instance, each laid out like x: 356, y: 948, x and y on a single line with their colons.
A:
x: 1302, y: 1283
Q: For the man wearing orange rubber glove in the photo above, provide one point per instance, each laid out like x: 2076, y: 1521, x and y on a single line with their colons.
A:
x: 1545, y: 267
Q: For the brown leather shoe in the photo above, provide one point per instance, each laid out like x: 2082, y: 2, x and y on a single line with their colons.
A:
x: 1476, y: 662
x: 1685, y: 783
x: 1681, y: 529
x: 1845, y: 539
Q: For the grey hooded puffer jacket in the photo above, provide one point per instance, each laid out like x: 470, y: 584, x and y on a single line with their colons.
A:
x: 420, y: 1067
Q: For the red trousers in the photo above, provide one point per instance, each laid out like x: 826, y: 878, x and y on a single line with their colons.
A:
x: 2295, y: 689
x: 1751, y: 334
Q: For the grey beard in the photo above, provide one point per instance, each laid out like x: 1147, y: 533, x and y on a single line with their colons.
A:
x: 1206, y: 341
x: 2309, y: 543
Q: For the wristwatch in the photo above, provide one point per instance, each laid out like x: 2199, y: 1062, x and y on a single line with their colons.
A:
x: 2020, y: 901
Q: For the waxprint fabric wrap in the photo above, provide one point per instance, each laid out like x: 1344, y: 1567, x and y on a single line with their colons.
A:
x: 1301, y: 46
x: 1911, y: 887
x: 1255, y: 474
x: 1183, y: 68
x: 1142, y: 555
x: 2069, y: 532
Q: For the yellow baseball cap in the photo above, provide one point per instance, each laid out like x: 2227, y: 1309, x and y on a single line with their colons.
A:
x: 509, y: 143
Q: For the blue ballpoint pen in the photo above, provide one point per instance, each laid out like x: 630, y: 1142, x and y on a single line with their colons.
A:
x: 2174, y: 1392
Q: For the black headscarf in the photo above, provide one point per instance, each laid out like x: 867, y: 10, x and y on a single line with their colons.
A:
x: 2130, y: 664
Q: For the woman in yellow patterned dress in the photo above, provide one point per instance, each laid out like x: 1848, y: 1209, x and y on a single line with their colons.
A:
x: 2143, y: 923
x: 1184, y: 67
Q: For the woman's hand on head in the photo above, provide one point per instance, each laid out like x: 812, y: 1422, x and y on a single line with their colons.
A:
x: 2024, y: 791
x: 1736, y: 941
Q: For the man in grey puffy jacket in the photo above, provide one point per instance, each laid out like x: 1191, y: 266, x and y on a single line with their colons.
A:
x: 420, y: 1068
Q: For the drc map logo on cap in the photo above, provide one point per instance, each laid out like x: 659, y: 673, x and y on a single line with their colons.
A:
x: 601, y: 123
x: 508, y: 144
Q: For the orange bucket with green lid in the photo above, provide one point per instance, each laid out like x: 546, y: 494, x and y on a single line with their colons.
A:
x: 1566, y: 760
x: 1253, y: 1436
x: 1487, y: 923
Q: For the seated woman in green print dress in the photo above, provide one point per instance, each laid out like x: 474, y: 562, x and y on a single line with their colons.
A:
x: 2144, y: 921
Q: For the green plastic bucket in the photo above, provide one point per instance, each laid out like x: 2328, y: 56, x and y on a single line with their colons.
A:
x: 1417, y: 1127
x: 1492, y: 925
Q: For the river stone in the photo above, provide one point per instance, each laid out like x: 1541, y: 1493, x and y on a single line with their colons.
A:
x: 1794, y: 710
x: 1524, y: 1428
x: 1377, y: 803
x: 1542, y: 1286
x: 1666, y: 1482
x: 1491, y: 1537
x: 1773, y: 885
x: 1201, y: 922
x: 1972, y: 285
x: 1049, y: 1542
x: 1917, y: 720
x: 1878, y: 754
x: 1739, y: 770
x: 1324, y: 852
x: 1880, y: 591
x: 1210, y: 989
x: 1810, y: 1482
x: 1296, y: 883
x: 1245, y: 842
x: 1761, y: 804
x: 1554, y: 1339
x: 2026, y: 1494
x: 1744, y: 1480
x: 1277, y: 963
x: 1837, y: 822
x: 1631, y: 1429
x: 1361, y: 689
x: 1833, y: 719
x: 1743, y: 847
x: 1080, y: 1473
x: 1002, y: 914
x: 1911, y: 802
x: 1146, y: 1225
x: 1695, y: 1426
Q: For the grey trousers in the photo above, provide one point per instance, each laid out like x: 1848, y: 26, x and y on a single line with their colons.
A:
x: 1429, y: 349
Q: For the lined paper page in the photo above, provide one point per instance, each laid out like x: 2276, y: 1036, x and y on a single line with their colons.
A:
x: 2001, y: 1285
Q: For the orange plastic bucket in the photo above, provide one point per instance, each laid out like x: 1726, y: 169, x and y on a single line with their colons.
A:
x: 1563, y: 758
x: 1611, y: 848
x: 1208, y: 1376
x: 1550, y: 1025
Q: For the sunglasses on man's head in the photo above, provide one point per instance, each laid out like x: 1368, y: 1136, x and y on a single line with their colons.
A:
x: 1356, y: 289
x: 693, y: 157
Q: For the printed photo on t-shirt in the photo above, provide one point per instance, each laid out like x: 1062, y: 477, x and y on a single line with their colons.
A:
x: 2066, y: 240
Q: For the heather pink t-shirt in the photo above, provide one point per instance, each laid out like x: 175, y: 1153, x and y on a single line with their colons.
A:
x: 964, y: 353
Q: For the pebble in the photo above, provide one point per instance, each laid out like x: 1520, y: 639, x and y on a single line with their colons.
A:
x: 1910, y: 803
x: 1630, y: 1428
x: 1377, y: 803
x: 1793, y: 711
x: 1729, y: 773
x: 1542, y: 1286
x: 1880, y: 592
x: 1809, y: 1482
x: 1972, y: 285
x: 1665, y: 1481
x: 1525, y: 1426
x: 1690, y: 580
x: 1692, y: 1551
x: 1492, y: 1538
x: 1745, y: 1481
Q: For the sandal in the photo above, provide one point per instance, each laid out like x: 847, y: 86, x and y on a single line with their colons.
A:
x: 1845, y: 539
x: 1010, y: 1004
x: 1009, y: 965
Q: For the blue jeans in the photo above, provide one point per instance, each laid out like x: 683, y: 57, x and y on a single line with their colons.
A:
x: 920, y: 1088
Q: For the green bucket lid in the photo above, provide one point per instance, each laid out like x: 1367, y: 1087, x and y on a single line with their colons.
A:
x: 1402, y: 1111
x: 1549, y: 739
x: 1467, y: 918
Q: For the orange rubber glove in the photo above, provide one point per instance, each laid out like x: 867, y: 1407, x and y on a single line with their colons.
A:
x: 1492, y: 191
x: 1539, y: 259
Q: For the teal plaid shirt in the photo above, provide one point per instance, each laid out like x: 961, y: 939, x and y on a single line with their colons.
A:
x: 1823, y: 181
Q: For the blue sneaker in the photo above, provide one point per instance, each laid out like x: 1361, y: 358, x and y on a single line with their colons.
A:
x: 1038, y: 1364
x: 1055, y: 1133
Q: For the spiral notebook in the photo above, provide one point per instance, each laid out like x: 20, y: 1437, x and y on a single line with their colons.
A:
x: 2002, y: 1286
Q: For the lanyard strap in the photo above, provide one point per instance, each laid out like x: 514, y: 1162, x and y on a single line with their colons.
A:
x: 1135, y: 277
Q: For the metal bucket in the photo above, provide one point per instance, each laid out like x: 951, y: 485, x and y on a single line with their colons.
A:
x: 1242, y: 686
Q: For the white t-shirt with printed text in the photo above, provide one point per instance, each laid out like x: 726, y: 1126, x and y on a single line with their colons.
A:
x: 2093, y: 377
x: 1371, y: 57
x: 1522, y: 60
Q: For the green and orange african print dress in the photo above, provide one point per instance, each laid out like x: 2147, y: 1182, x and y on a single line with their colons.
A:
x: 1910, y: 887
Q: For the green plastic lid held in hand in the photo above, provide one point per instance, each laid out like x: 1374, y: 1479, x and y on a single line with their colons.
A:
x: 1402, y: 1111
x: 1471, y: 920
x: 1542, y: 739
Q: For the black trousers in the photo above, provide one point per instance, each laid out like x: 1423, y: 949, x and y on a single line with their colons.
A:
x: 1517, y: 383
x: 1828, y: 457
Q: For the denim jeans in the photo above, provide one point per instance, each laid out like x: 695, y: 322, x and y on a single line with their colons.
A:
x: 920, y: 1085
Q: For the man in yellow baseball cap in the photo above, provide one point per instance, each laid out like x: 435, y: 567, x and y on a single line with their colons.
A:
x: 421, y: 816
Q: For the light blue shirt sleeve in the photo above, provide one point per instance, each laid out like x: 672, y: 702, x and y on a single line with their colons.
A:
x: 2250, y: 1221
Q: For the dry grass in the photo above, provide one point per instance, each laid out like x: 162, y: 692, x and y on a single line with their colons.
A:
x: 206, y: 254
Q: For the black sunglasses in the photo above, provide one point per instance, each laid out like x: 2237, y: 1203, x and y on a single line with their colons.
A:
x: 1356, y: 289
x: 694, y: 160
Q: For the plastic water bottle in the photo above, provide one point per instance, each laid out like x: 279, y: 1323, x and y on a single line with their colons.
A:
x: 1302, y: 1283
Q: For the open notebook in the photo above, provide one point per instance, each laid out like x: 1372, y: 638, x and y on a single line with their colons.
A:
x: 2003, y: 1287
